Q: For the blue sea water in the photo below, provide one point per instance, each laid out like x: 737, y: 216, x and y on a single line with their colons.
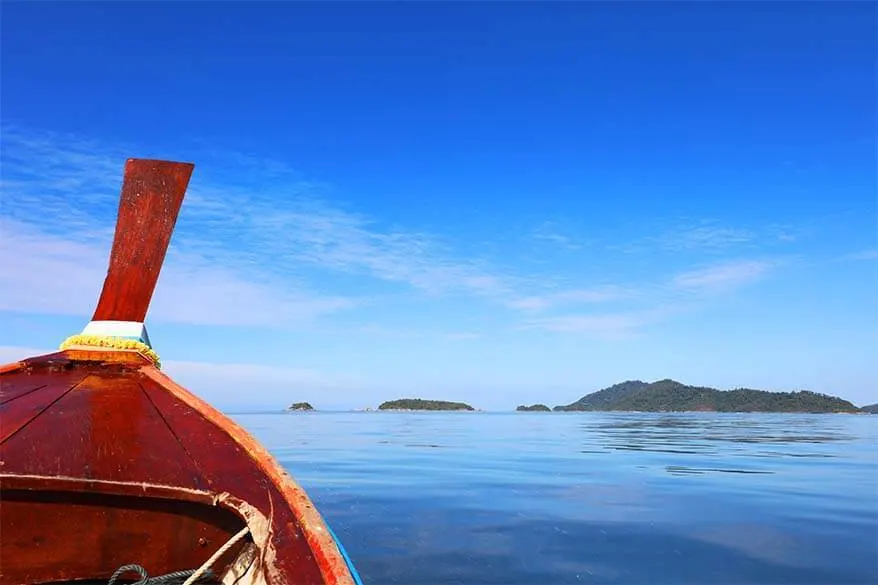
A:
x: 564, y: 498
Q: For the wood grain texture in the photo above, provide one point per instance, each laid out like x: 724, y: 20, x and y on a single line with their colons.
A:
x: 33, y: 382
x: 105, y: 428
x: 30, y: 398
x: 231, y: 469
x: 152, y: 193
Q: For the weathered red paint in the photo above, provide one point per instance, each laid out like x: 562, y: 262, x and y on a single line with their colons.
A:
x: 152, y: 193
x: 104, y: 460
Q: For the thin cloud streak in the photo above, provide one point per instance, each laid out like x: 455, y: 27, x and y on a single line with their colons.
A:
x: 862, y: 256
x: 49, y: 274
x: 248, y: 244
x: 706, y: 236
x: 722, y: 277
x: 548, y: 232
x: 602, y: 294
x: 280, y: 221
x: 618, y: 326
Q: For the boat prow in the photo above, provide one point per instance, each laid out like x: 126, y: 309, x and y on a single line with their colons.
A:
x: 110, y: 471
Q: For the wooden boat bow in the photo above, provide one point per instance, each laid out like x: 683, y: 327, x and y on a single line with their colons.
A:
x: 106, y: 461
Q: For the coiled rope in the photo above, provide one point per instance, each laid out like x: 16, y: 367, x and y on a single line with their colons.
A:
x: 175, y: 578
x: 113, y: 343
x: 187, y: 577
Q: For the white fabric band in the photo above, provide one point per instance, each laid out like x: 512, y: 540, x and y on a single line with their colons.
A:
x: 126, y: 329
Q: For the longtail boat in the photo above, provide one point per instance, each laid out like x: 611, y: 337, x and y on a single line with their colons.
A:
x: 110, y: 472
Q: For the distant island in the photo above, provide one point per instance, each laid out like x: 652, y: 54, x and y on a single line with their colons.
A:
x: 420, y: 404
x: 871, y: 409
x: 673, y: 396
x: 534, y: 408
x: 301, y: 406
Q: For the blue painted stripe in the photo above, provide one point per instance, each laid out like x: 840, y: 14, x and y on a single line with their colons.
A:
x: 344, y: 554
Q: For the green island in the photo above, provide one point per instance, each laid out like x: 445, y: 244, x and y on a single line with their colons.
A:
x: 421, y: 404
x: 871, y: 409
x: 673, y: 396
x: 534, y: 408
x: 301, y: 406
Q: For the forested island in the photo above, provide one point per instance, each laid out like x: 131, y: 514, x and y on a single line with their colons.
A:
x: 871, y: 409
x: 301, y: 406
x: 421, y: 404
x: 673, y: 396
x: 534, y: 408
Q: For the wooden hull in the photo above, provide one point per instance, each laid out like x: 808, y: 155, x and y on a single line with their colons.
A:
x: 105, y: 461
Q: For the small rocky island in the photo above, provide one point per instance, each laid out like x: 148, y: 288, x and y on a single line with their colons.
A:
x: 534, y: 408
x: 673, y: 396
x: 421, y: 404
x: 301, y: 407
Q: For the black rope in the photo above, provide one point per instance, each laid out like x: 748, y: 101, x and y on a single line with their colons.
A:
x: 144, y: 576
x: 177, y: 577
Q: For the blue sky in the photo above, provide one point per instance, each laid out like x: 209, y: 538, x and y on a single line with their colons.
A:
x: 498, y: 203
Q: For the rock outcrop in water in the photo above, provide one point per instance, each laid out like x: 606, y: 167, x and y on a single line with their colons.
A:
x: 534, y: 408
x: 420, y: 404
x: 301, y: 406
x: 673, y: 396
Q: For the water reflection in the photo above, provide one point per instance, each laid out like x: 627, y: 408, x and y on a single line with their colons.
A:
x: 715, y: 434
x: 682, y: 499
x: 683, y: 470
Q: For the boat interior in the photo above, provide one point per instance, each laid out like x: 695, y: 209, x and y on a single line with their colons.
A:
x: 114, y: 465
x: 68, y: 530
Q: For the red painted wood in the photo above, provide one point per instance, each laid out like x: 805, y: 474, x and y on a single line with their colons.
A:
x: 331, y: 563
x: 229, y: 469
x: 127, y: 422
x: 78, y: 358
x: 16, y: 414
x: 28, y: 383
x: 106, y: 428
x: 152, y: 193
x: 57, y: 536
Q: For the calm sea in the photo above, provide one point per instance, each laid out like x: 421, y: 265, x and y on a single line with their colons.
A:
x: 558, y: 498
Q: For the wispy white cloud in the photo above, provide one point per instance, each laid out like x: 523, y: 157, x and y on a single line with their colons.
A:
x: 255, y: 238
x: 548, y: 231
x: 248, y: 235
x: 723, y: 276
x: 462, y: 336
x: 607, y: 326
x: 659, y: 303
x: 45, y: 273
x: 707, y: 236
x: 328, y: 238
x: 269, y: 220
x: 547, y: 301
x: 862, y: 255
